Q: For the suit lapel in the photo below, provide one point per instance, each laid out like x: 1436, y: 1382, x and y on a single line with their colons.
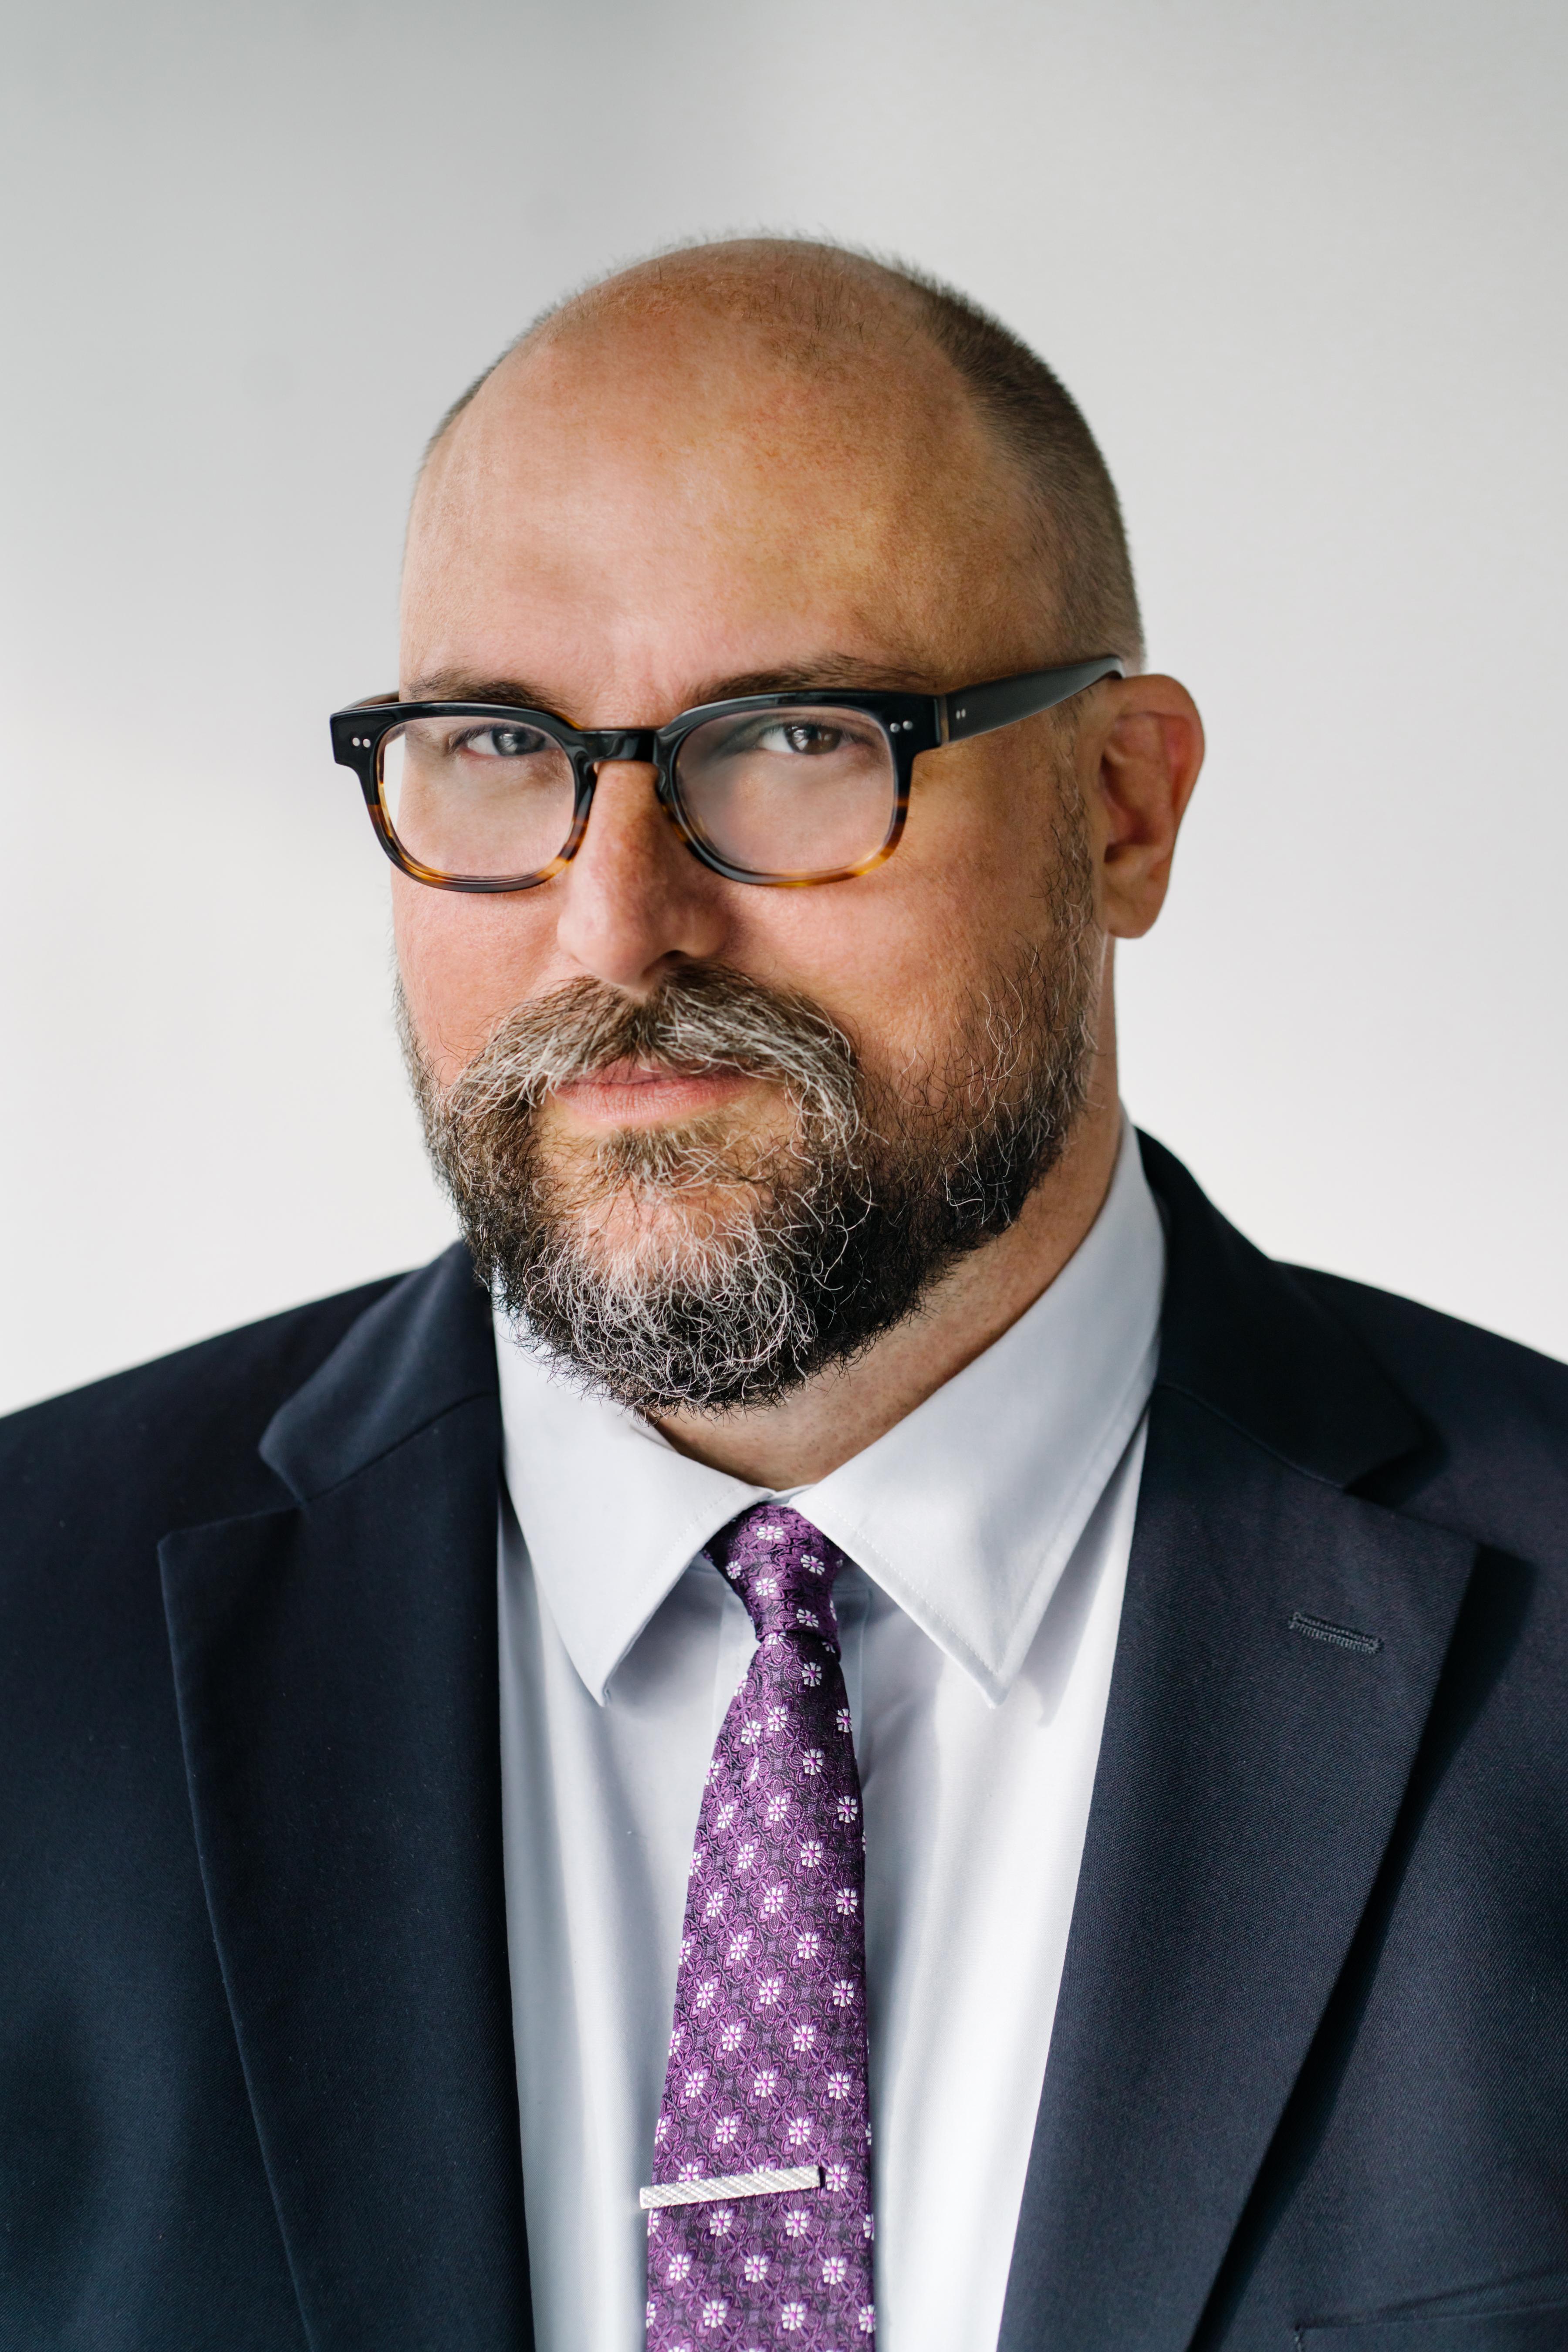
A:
x: 336, y: 1671
x: 1250, y: 1779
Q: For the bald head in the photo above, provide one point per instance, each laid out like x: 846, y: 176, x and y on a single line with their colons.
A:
x: 875, y: 387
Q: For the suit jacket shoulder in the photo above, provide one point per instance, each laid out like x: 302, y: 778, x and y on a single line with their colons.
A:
x: 180, y: 1434
x: 1495, y: 1413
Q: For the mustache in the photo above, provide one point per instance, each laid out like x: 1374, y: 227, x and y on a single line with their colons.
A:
x: 699, y: 1021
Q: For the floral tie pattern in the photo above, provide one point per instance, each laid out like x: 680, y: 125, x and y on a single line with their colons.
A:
x: 767, y: 2057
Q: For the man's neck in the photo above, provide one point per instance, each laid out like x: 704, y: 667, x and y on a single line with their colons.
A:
x: 826, y: 1420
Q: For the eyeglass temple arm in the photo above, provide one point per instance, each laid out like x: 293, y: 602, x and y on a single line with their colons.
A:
x: 980, y: 709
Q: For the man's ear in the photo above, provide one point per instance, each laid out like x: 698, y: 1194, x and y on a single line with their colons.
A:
x: 1147, y: 747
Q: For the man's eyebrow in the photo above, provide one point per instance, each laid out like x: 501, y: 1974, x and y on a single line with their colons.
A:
x: 468, y: 686
x: 847, y: 673
x: 834, y: 672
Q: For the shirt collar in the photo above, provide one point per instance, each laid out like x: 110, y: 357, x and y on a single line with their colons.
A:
x: 965, y: 1513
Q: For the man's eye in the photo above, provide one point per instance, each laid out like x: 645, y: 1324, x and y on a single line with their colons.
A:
x: 799, y: 737
x: 501, y: 742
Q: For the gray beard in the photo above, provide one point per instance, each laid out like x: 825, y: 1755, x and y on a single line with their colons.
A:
x: 772, y: 1262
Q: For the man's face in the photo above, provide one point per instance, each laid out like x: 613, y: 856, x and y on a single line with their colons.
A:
x: 643, y: 514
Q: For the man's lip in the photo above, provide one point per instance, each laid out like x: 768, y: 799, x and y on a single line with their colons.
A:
x: 627, y: 1093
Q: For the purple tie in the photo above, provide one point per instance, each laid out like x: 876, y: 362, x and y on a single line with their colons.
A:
x: 760, y: 2223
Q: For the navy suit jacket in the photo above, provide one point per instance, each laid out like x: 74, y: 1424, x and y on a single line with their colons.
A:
x: 1307, y: 2090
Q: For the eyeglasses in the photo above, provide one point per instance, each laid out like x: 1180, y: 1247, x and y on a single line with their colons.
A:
x: 783, y: 790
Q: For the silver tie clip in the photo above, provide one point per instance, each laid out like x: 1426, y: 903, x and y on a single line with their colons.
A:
x: 772, y: 2181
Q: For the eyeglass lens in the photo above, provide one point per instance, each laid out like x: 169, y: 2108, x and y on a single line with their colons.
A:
x: 794, y: 792
x: 477, y: 797
x: 788, y: 794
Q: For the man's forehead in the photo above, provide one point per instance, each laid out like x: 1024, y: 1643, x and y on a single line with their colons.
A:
x: 584, y: 435
x: 672, y: 471
x: 703, y: 419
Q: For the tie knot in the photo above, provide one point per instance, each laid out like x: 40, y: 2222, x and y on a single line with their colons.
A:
x: 783, y: 1571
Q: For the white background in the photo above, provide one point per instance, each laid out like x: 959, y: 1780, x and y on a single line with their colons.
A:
x: 1302, y: 263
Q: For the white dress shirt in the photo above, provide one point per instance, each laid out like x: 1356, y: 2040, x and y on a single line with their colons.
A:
x: 990, y: 1531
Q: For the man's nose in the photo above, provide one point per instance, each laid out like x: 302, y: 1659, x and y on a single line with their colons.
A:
x: 634, y: 900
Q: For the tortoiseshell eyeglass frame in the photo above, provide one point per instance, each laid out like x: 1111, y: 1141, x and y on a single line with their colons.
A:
x: 913, y: 723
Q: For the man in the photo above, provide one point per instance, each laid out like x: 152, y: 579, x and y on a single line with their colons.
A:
x: 884, y: 1735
